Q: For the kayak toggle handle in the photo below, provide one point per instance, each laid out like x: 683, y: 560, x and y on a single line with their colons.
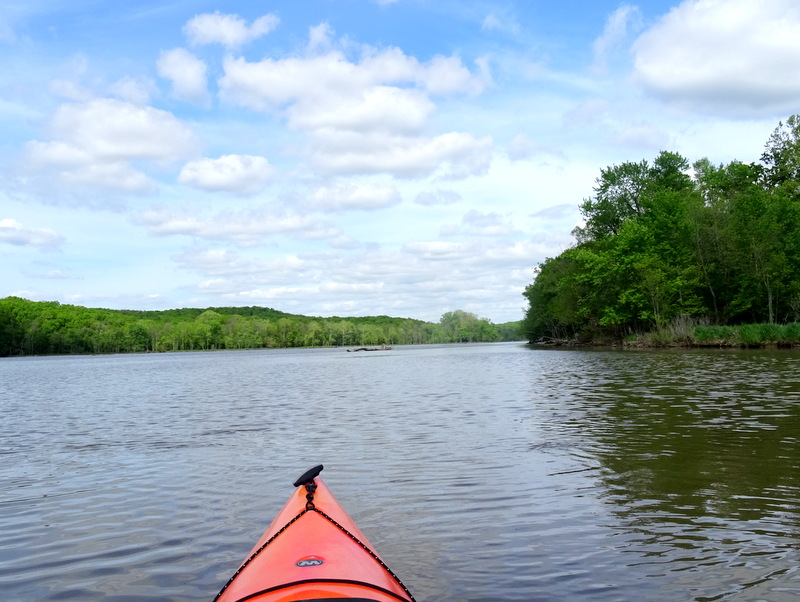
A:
x: 309, y: 476
x: 308, y: 480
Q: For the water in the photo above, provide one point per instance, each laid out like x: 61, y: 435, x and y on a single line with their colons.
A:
x: 480, y: 472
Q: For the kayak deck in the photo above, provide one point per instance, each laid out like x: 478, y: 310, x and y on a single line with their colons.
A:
x: 313, y: 551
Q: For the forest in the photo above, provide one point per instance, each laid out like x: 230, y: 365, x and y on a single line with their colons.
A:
x: 49, y: 328
x: 669, y: 246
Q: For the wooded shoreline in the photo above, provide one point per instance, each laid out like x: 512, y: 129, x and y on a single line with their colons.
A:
x: 673, y: 253
x: 50, y: 328
x: 682, y: 334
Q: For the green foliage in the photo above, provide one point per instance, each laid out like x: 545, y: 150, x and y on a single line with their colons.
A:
x: 718, y: 244
x: 32, y: 328
x: 460, y: 326
x: 714, y: 335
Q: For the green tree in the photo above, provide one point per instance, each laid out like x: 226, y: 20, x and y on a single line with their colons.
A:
x: 781, y: 157
x: 618, y: 197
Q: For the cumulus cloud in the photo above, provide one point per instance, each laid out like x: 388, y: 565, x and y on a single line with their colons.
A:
x: 133, y: 90
x: 436, y: 272
x: 271, y: 83
x: 229, y: 30
x: 454, y: 155
x: 440, y: 197
x: 319, y: 38
x: 239, y: 174
x: 187, y: 74
x: 245, y: 228
x: 94, y: 143
x: 437, y: 250
x: 734, y: 55
x: 381, y: 108
x: 112, y: 129
x: 476, y: 223
x: 69, y: 90
x: 365, y: 116
x: 224, y: 269
x: 350, y: 196
x: 12, y: 232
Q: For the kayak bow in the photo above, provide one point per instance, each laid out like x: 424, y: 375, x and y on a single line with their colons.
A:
x: 313, y: 552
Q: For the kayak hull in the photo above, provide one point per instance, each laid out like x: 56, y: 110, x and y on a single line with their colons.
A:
x: 313, y: 551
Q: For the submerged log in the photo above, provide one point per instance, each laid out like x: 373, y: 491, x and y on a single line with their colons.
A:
x: 381, y: 348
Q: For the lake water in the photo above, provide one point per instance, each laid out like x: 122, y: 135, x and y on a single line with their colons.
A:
x: 480, y: 472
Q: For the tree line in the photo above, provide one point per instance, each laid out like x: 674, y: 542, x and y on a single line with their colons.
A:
x: 668, y: 241
x: 45, y: 328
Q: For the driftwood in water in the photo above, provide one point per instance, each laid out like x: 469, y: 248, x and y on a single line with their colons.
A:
x: 381, y: 348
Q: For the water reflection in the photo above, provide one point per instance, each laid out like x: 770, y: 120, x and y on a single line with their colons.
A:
x: 700, y: 462
x: 480, y: 472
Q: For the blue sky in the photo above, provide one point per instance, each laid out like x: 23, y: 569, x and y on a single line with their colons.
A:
x: 352, y: 157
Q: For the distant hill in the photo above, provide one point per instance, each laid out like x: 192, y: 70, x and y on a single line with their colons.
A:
x: 49, y: 328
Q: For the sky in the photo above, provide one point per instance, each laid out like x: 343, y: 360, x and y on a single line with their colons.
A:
x: 352, y: 157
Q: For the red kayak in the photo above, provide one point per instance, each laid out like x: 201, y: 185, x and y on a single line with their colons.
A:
x: 313, y: 552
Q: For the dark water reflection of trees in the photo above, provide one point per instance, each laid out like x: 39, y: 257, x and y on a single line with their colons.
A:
x: 699, y: 451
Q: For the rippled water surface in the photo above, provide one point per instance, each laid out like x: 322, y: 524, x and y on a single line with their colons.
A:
x: 480, y: 472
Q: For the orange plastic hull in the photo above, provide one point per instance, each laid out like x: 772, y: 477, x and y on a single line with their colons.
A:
x: 313, y: 558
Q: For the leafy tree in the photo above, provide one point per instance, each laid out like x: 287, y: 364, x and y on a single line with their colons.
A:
x: 660, y: 241
x: 618, y: 197
x: 781, y: 157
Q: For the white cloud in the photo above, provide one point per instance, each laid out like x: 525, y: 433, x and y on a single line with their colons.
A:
x: 437, y: 250
x: 94, y: 143
x: 440, y: 197
x: 380, y: 108
x: 132, y: 90
x: 272, y: 83
x: 111, y: 129
x: 229, y: 30
x: 367, y: 116
x: 614, y: 33
x: 500, y: 22
x: 452, y: 156
x: 643, y: 136
x: 477, y: 223
x: 447, y: 75
x: 239, y: 174
x: 521, y: 147
x: 187, y: 73
x: 49, y: 274
x: 113, y: 175
x: 730, y: 55
x: 224, y: 269
x: 557, y: 212
x: 440, y: 274
x: 12, y: 232
x: 319, y: 38
x: 491, y: 22
x: 588, y: 112
x: 245, y: 227
x: 350, y: 196
x: 70, y: 90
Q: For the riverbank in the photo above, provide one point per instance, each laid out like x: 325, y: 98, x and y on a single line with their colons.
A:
x: 684, y: 333
x: 744, y: 335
